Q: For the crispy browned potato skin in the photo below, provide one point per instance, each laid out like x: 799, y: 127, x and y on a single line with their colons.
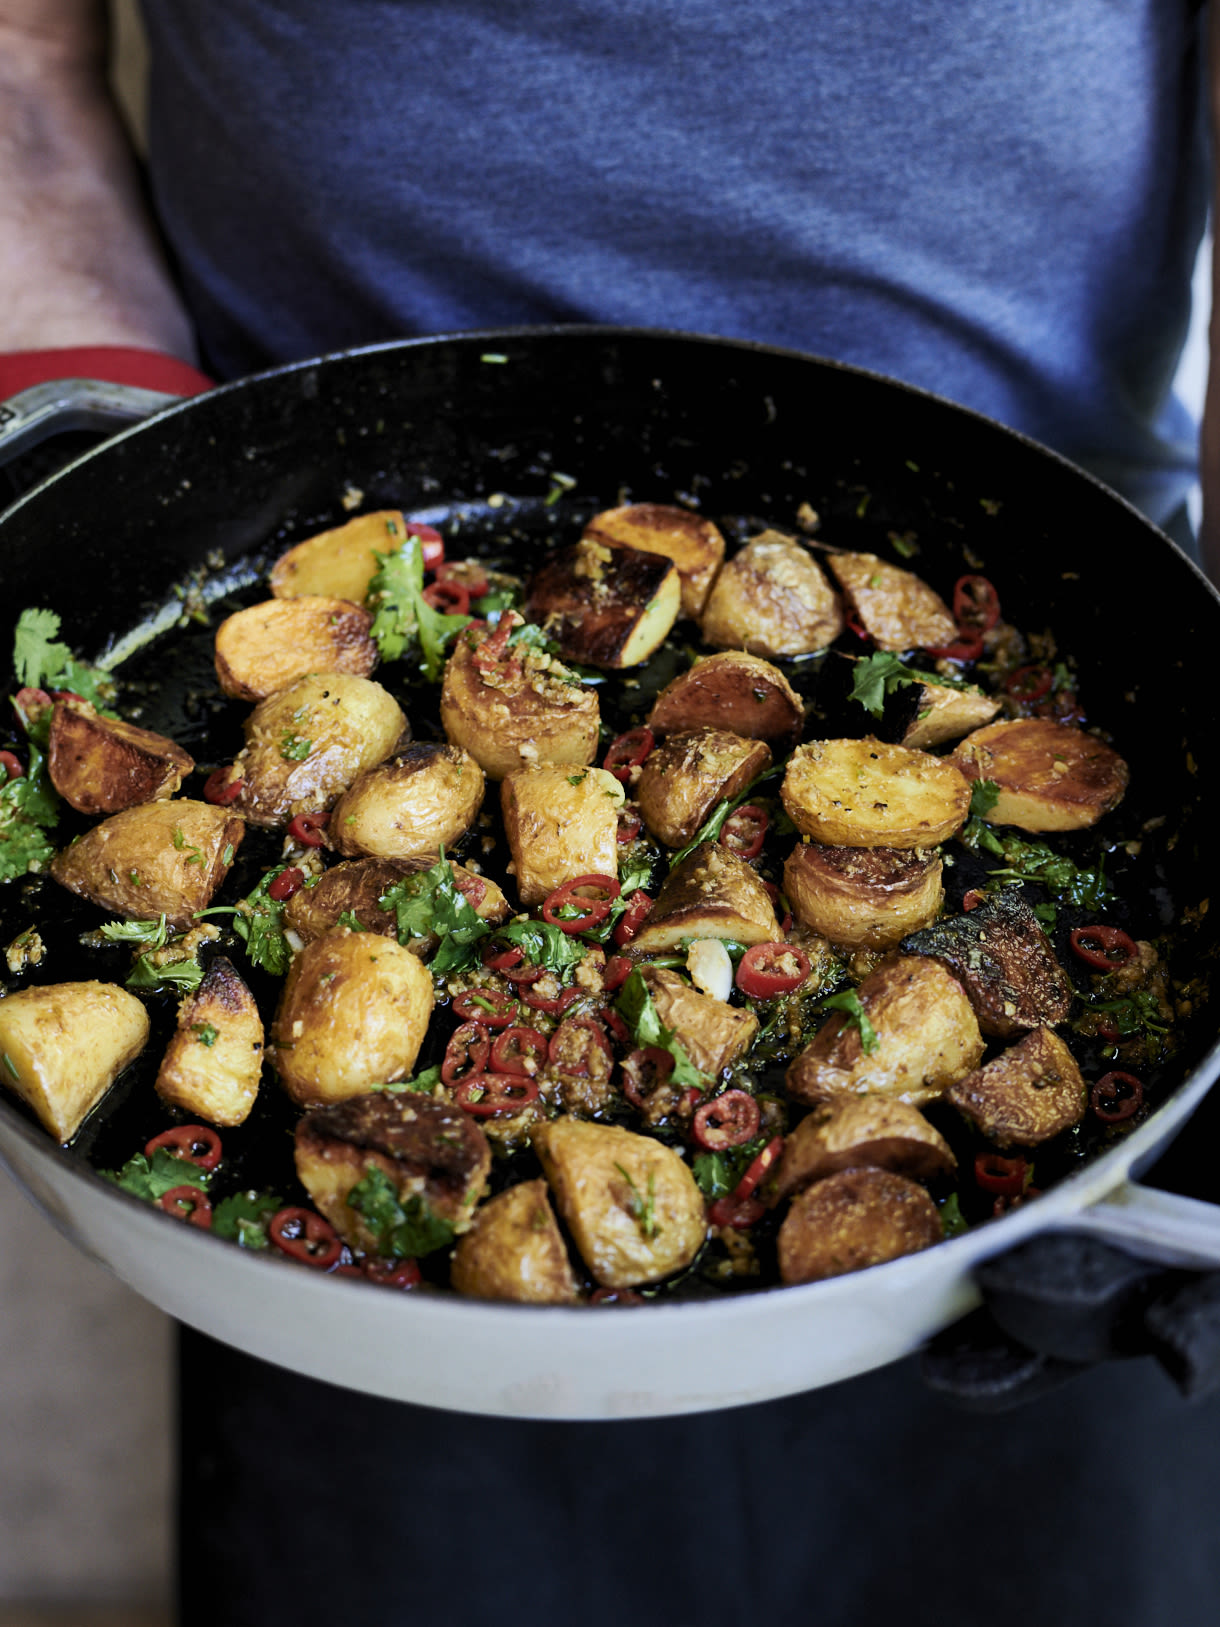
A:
x: 1033, y: 1091
x: 853, y: 1131
x: 357, y: 886
x: 340, y: 563
x: 934, y: 713
x: 212, y: 1065
x: 63, y: 1045
x: 849, y: 1221
x: 410, y: 806
x: 351, y: 725
x: 353, y: 1014
x: 425, y: 1147
x: 865, y: 793
x: 694, y: 544
x: 161, y: 858
x: 862, y: 897
x: 604, y: 1179
x: 267, y: 646
x: 927, y: 1033
x: 1051, y: 776
x: 771, y: 599
x: 732, y: 690
x: 711, y: 894
x: 560, y: 823
x: 519, y: 718
x: 897, y: 609
x: 605, y: 607
x: 684, y: 778
x: 514, y: 1251
x: 712, y: 1033
x: 101, y: 765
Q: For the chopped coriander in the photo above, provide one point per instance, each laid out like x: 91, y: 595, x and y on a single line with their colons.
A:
x: 431, y: 904
x: 152, y: 1179
x: 877, y: 677
x: 42, y: 663
x: 854, y: 1014
x: 28, y: 808
x: 205, y: 1034
x: 295, y: 749
x: 243, y: 1216
x: 404, y: 1230
x: 639, y: 1012
x: 643, y: 1210
x: 952, y: 1222
x: 259, y: 920
x: 148, y: 973
x: 152, y: 934
x: 403, y: 618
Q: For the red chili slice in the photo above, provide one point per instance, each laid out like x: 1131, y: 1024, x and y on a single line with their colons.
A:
x: 489, y: 1094
x: 390, y: 1273
x: 553, y: 1007
x: 1029, y: 683
x: 739, y: 1213
x: 618, y: 969
x: 632, y: 918
x: 513, y: 1049
x: 996, y: 1174
x: 644, y: 1071
x: 31, y: 704
x: 11, y: 764
x: 744, y: 831
x: 757, y: 1171
x: 571, y: 895
x: 975, y: 603
x: 519, y: 976
x: 726, y: 1121
x: 189, y: 1203
x: 466, y: 1053
x: 497, y: 959
x: 1116, y: 1096
x: 630, y: 823
x: 198, y: 1144
x: 851, y: 618
x: 286, y: 884
x: 1105, y: 947
x: 307, y: 828
x: 619, y: 1031
x: 449, y: 597
x: 220, y: 790
x: 472, y: 888
x: 494, y: 648
x: 763, y: 971
x: 571, y: 1054
x: 968, y: 646
x: 468, y: 574
x: 628, y: 752
x: 491, y: 1008
x: 432, y: 544
x: 305, y: 1236
x: 972, y: 899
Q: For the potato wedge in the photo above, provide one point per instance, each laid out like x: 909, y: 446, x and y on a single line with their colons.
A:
x: 63, y: 1045
x: 413, y: 804
x: 514, y: 1250
x: 630, y: 1203
x: 863, y: 793
x: 694, y: 544
x: 352, y: 1014
x: 896, y: 608
x: 560, y: 823
x: 160, y: 858
x: 212, y: 1065
x: 1051, y: 776
x: 357, y: 886
x: 863, y: 897
x: 711, y: 1032
x: 266, y: 647
x: 1031, y: 1092
x: 926, y: 715
x: 853, y: 1131
x: 711, y: 894
x: 733, y: 691
x: 339, y: 564
x: 772, y: 599
x: 849, y: 1221
x: 684, y: 778
x: 101, y: 765
x: 605, y: 607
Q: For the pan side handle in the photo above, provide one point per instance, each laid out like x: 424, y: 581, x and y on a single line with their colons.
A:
x: 64, y: 405
x: 1154, y: 1225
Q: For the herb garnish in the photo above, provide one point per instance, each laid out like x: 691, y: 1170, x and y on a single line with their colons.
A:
x: 639, y: 1012
x: 854, y: 1015
x: 42, y: 663
x: 878, y: 676
x: 259, y: 920
x: 403, y: 1230
x: 402, y: 616
x: 431, y: 904
x: 28, y: 808
x: 643, y: 1210
x: 152, y: 1179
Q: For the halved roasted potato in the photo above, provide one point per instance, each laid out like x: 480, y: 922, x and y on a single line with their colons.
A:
x: 734, y: 691
x: 103, y: 765
x: 896, y: 608
x: 340, y: 563
x: 212, y: 1065
x: 560, y: 823
x: 1051, y: 776
x: 694, y: 544
x: 771, y: 598
x: 413, y: 804
x: 605, y: 607
x: 1031, y: 1092
x: 852, y: 1131
x: 711, y: 894
x: 929, y: 714
x: 711, y: 1032
x: 862, y: 897
x: 864, y: 793
x: 356, y: 887
x: 267, y: 646
x: 684, y: 778
x: 514, y: 1250
x: 63, y: 1045
x: 849, y: 1221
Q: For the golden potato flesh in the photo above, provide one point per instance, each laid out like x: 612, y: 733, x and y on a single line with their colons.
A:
x: 102, y: 765
x: 896, y: 608
x: 684, y: 778
x: 630, y: 1203
x: 862, y: 897
x: 926, y: 1039
x: 519, y: 712
x: 852, y: 1131
x: 514, y: 1251
x: 339, y: 564
x: 772, y: 599
x: 937, y: 713
x: 605, y: 607
x: 734, y: 691
x: 162, y: 858
x: 357, y: 887
x: 711, y: 1032
x: 1050, y: 775
x: 849, y: 1221
x: 560, y: 823
x: 864, y: 793
x: 268, y: 646
x: 694, y: 544
x: 711, y: 894
x: 306, y: 744
x: 1033, y: 1091
x: 353, y: 1014
x: 212, y: 1066
x: 414, y: 804
x: 63, y: 1046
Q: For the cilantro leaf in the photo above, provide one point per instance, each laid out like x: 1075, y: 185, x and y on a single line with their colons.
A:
x: 430, y: 903
x: 151, y: 1180
x: 153, y: 934
x: 984, y: 794
x: 639, y: 1012
x: 404, y: 1231
x: 402, y: 616
x: 952, y: 1221
x: 849, y: 1003
x: 41, y: 662
x: 185, y: 974
x: 711, y: 828
x: 242, y: 1217
x: 28, y: 807
x: 544, y: 945
x: 259, y: 921
x: 878, y: 676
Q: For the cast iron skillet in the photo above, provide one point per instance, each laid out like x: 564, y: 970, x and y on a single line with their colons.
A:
x: 527, y: 433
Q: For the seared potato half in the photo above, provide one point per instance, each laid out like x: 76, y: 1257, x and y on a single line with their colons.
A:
x: 863, y: 793
x: 1050, y: 775
x: 268, y: 646
x: 101, y: 765
x: 63, y: 1046
x: 560, y: 823
x: 606, y: 607
x: 711, y: 894
x: 771, y: 598
x: 733, y: 691
x: 339, y: 564
x: 414, y: 804
x: 213, y: 1064
x: 694, y: 544
x: 862, y: 897
x: 514, y: 1250
x: 896, y: 608
x: 684, y: 778
x: 852, y: 1220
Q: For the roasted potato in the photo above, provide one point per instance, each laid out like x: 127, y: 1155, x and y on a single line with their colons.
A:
x: 101, y: 765
x: 863, y: 793
x: 268, y: 646
x: 306, y: 744
x: 161, y: 858
x: 1031, y: 1092
x: 62, y: 1046
x: 771, y: 599
x: 520, y: 712
x: 926, y: 1039
x: 711, y: 894
x: 734, y: 691
x: 862, y: 897
x: 1050, y: 775
x: 514, y: 1250
x: 712, y: 1033
x: 630, y: 1203
x: 694, y: 544
x: 212, y: 1066
x: 353, y: 1014
x: 560, y: 823
x: 357, y: 887
x: 923, y: 715
x: 413, y: 804
x: 849, y: 1221
x: 896, y: 608
x: 339, y: 564
x: 852, y: 1131
x: 683, y: 779
x: 605, y: 607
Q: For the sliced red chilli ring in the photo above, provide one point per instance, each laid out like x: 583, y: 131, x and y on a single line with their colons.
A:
x: 569, y: 1052
x: 307, y: 828
x: 492, y: 1008
x: 744, y: 831
x: 1006, y: 1176
x: 739, y: 1213
x: 554, y: 1007
x: 726, y: 1121
x: 630, y: 823
x: 490, y: 1094
x: 619, y: 1031
x: 11, y: 764
x: 30, y: 704
x: 521, y: 976
x: 449, y: 597
x: 497, y: 959
x: 189, y: 1203
x: 431, y: 543
x: 770, y: 969
x: 303, y: 1235
x: 618, y: 969
x: 514, y: 1050
x: 472, y: 888
x: 1104, y: 947
x: 643, y: 1071
x: 632, y: 919
x: 468, y: 574
x: 220, y: 790
x: 391, y: 1273
x: 758, y: 1170
x: 287, y: 884
x: 494, y: 648
x: 1116, y: 1096
x: 466, y: 1053
x: 628, y: 752
x: 197, y: 1144
x: 975, y: 603
x: 573, y: 896
x: 972, y: 899
x: 967, y: 647
x: 1029, y: 684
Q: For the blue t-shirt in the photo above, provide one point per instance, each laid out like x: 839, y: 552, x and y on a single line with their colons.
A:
x: 998, y: 200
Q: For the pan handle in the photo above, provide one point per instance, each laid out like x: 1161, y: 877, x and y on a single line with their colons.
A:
x: 65, y: 405
x: 1153, y: 1225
